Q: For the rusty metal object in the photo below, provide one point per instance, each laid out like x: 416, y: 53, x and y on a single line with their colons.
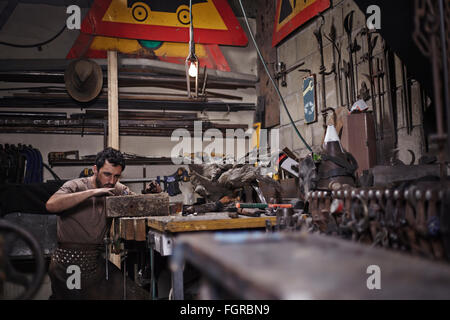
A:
x: 348, y: 27
x: 137, y: 205
x: 408, y: 219
x: 336, y: 166
x: 323, y: 71
x: 336, y: 64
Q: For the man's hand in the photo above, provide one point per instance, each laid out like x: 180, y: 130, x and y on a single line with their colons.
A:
x: 63, y: 201
x: 99, y: 192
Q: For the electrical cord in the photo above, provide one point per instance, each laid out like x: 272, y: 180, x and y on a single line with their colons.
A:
x: 273, y: 82
x: 33, y: 45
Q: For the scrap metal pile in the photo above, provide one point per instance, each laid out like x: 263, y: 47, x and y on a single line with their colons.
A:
x: 409, y: 218
x: 222, y: 185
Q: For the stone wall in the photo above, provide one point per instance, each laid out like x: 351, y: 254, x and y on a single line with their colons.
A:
x: 302, y: 46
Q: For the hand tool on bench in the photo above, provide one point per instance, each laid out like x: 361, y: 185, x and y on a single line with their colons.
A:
x: 262, y: 205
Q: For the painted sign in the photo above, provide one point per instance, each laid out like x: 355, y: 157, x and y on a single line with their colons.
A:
x: 309, y: 99
x: 291, y: 14
x: 95, y: 47
x: 165, y: 20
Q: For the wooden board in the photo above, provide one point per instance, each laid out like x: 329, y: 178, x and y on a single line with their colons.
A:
x: 209, y: 221
x: 133, y: 228
x: 137, y: 205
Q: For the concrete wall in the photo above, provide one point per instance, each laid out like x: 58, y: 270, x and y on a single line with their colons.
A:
x: 302, y: 46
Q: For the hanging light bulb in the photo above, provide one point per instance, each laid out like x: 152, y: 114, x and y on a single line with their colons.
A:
x: 193, y: 70
x: 191, y: 60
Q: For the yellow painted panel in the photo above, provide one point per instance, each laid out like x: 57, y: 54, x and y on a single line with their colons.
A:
x: 300, y: 5
x: 178, y: 49
x: 205, y: 16
x: 118, y: 44
x: 167, y: 49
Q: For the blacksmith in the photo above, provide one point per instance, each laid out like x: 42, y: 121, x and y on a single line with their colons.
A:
x: 81, y: 229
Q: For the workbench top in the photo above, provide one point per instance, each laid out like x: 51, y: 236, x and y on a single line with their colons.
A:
x: 257, y: 265
x: 204, y: 222
x: 134, y: 228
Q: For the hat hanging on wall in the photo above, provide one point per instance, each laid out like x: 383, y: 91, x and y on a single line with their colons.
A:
x: 83, y: 79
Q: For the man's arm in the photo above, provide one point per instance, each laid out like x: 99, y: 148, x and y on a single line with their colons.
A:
x: 63, y: 201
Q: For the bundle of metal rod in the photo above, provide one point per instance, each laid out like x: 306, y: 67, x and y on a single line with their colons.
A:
x: 99, y: 126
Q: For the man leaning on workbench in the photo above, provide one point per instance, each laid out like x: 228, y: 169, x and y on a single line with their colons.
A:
x: 81, y: 229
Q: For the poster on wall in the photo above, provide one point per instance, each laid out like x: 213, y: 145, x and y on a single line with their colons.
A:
x: 309, y: 99
x: 291, y: 14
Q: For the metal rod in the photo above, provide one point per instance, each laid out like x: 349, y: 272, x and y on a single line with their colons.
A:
x: 439, y: 109
x: 445, y: 65
x: 393, y: 112
x: 125, y: 277
x: 152, y: 275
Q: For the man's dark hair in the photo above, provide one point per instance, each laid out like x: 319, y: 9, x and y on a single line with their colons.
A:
x: 113, y: 156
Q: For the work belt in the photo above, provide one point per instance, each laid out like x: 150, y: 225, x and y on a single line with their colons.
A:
x: 86, y: 257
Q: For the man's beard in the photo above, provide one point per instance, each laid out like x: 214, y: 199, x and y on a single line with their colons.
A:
x: 99, y: 184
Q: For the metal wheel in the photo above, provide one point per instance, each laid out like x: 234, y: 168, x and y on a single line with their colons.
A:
x: 10, y: 233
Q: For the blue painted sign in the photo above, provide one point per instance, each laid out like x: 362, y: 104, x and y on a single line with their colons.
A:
x: 309, y: 99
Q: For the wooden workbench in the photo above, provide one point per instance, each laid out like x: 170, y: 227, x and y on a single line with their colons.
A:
x: 256, y: 265
x: 169, y: 226
x: 207, y: 222
x: 135, y: 228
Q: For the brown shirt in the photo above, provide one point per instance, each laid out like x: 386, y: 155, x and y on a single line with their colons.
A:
x: 85, y: 223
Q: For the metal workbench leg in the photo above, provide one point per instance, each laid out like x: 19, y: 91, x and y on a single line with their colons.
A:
x: 176, y: 266
x: 152, y: 270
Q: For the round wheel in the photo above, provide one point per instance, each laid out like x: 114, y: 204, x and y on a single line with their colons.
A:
x: 10, y: 234
x: 139, y: 12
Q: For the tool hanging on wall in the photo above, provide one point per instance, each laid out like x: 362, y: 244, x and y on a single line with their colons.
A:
x: 282, y: 71
x: 371, y: 43
x: 323, y: 71
x: 407, y: 111
x: 346, y: 71
x: 389, y: 67
x: 379, y: 75
x: 348, y: 26
x: 355, y: 48
x: 336, y: 64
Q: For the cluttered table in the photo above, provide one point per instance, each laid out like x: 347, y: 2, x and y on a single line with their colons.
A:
x: 257, y: 265
x: 160, y: 231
